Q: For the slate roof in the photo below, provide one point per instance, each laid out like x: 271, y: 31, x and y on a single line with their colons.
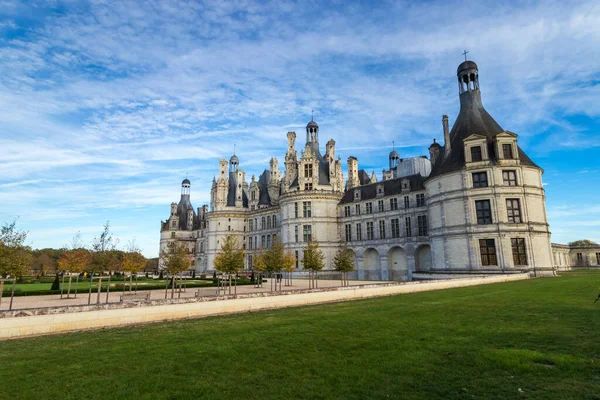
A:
x: 263, y: 188
x: 390, y: 188
x: 472, y: 119
x: 233, y: 189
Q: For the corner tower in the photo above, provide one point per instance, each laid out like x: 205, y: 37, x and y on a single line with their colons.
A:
x: 486, y: 203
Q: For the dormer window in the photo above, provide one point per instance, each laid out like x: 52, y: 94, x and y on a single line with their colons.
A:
x: 507, y: 151
x: 308, y: 170
x: 476, y: 154
x: 357, y: 195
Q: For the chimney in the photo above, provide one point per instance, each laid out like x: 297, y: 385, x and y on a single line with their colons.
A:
x: 434, y: 152
x: 352, y: 173
x: 446, y: 134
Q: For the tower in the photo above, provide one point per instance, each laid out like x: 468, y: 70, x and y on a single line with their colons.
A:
x: 352, y: 173
x: 394, y: 158
x: 312, y: 133
x: 185, y: 187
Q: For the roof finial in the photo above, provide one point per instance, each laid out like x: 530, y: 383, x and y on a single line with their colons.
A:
x: 234, y: 149
x: 465, y: 54
x: 312, y: 115
x: 393, y: 145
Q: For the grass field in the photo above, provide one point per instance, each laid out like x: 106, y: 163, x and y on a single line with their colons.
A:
x: 541, y: 336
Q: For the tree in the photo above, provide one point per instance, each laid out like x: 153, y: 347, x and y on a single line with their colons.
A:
x: 259, y: 265
x: 175, y: 261
x: 344, y: 263
x: 583, y: 243
x: 14, y: 254
x: 289, y: 264
x: 230, y: 259
x: 104, y: 246
x: 132, y: 261
x: 74, y: 261
x: 313, y: 262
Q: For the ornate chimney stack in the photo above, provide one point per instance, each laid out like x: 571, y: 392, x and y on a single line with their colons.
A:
x: 352, y: 173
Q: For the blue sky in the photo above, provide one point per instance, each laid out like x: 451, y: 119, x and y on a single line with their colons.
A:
x: 106, y: 106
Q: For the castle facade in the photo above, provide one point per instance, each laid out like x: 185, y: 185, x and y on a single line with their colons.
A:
x: 476, y: 204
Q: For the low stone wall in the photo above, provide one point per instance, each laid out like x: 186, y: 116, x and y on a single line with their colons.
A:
x: 36, y: 322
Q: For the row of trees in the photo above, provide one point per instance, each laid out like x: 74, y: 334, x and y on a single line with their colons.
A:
x: 16, y: 257
x: 277, y: 260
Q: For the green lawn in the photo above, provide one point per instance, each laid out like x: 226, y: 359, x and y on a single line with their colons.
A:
x: 541, y: 336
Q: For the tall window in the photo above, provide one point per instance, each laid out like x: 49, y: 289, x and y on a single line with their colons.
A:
x: 579, y: 257
x: 598, y: 258
x: 509, y: 178
x: 348, y: 233
x: 256, y: 242
x: 382, y: 229
x: 395, y: 228
x: 357, y: 207
x: 518, y: 250
x: 253, y: 195
x: 370, y: 230
x: 369, y: 208
x: 308, y: 170
x: 476, y: 153
x: 249, y: 260
x: 306, y: 209
x: 296, y: 210
x: 480, y: 179
x: 358, y: 232
x: 393, y: 204
x: 296, y: 233
x: 346, y: 211
x: 484, y: 212
x: 380, y: 205
x: 307, y: 233
x: 250, y: 243
x: 268, y: 241
x: 308, y: 186
x: 263, y: 223
x: 513, y: 209
x: 422, y: 225
x: 297, y: 258
x: 263, y: 241
x: 487, y: 247
x: 250, y: 225
x: 406, y: 202
x: 420, y: 200
x: 408, y: 228
x: 274, y: 221
x: 268, y: 222
x: 507, y: 151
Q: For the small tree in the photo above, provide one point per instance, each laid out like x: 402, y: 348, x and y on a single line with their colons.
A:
x: 230, y: 259
x: 132, y: 261
x: 14, y: 254
x: 313, y: 262
x: 103, y: 247
x: 74, y: 262
x: 175, y: 261
x: 259, y: 265
x: 273, y: 259
x: 344, y: 263
x: 289, y: 264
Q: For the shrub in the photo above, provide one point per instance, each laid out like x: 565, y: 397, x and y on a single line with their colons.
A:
x: 55, y: 284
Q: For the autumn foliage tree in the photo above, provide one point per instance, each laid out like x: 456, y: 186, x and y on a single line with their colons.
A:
x: 344, y: 263
x: 175, y: 261
x: 105, y: 256
x: 313, y: 261
x: 230, y: 259
x: 74, y: 262
x: 14, y: 254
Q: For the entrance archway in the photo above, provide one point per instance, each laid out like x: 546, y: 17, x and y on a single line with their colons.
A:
x: 372, y: 266
x: 397, y: 264
x: 423, y: 258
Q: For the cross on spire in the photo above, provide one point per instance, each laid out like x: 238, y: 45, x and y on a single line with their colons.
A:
x: 465, y: 54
